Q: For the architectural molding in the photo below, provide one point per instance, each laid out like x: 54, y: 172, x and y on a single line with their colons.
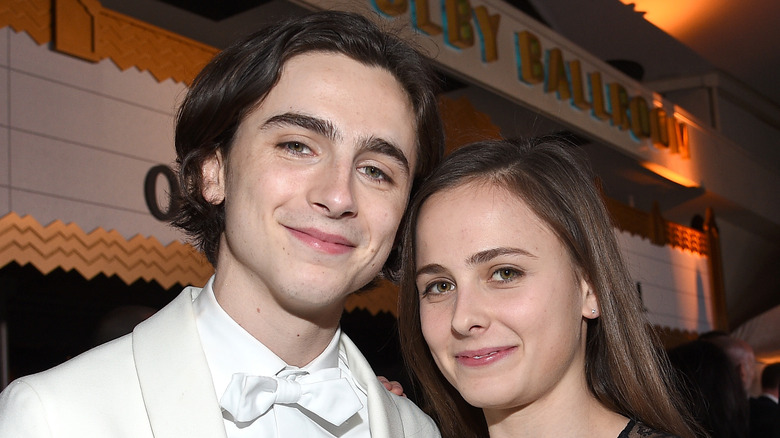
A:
x: 654, y: 227
x: 87, y: 30
x: 58, y: 245
x: 30, y: 16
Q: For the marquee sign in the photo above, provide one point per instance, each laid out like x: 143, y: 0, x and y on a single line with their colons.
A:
x: 540, y: 64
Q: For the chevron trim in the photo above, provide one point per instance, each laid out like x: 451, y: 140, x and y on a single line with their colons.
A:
x: 654, y: 227
x: 31, y: 16
x: 132, y: 43
x: 87, y: 30
x: 58, y: 245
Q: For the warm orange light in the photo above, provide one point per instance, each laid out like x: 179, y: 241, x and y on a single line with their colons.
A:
x: 675, y: 17
x: 669, y: 174
x: 768, y: 358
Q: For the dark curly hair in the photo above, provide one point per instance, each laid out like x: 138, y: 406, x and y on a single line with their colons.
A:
x: 238, y: 79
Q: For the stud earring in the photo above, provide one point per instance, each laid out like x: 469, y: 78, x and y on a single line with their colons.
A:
x: 593, y: 311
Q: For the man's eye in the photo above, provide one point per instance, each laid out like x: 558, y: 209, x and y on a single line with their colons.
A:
x: 297, y: 148
x: 374, y: 172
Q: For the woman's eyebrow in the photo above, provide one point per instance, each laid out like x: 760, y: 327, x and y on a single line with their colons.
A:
x: 490, y: 254
x: 480, y: 257
x: 433, y: 269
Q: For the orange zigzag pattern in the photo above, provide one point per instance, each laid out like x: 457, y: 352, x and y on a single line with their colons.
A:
x: 58, y: 245
x: 132, y: 43
x: 31, y: 16
x: 24, y: 240
x: 126, y: 41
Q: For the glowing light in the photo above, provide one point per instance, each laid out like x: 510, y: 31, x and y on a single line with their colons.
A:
x: 768, y: 358
x: 677, y: 18
x: 669, y: 174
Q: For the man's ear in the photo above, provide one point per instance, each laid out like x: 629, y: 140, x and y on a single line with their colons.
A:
x: 213, y: 176
x: 590, y: 304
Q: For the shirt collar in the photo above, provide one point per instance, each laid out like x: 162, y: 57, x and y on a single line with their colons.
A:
x: 230, y: 349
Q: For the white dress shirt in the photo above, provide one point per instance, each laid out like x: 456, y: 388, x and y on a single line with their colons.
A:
x: 230, y: 349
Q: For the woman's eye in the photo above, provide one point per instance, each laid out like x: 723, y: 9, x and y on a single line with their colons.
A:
x: 505, y: 274
x: 438, y: 287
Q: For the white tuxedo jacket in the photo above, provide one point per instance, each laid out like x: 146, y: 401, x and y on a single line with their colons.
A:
x: 155, y: 382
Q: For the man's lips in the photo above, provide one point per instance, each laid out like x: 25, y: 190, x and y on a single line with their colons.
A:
x: 322, y: 241
x: 484, y: 356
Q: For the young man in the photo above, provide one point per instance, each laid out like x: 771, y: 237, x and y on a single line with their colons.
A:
x: 298, y: 149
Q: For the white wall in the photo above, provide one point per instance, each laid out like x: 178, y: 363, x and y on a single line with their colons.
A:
x: 77, y: 139
x: 675, y: 283
x: 753, y: 134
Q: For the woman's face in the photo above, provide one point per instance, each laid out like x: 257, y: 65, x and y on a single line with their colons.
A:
x: 501, y: 305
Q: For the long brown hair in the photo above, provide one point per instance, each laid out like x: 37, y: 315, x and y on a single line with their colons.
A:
x: 626, y: 368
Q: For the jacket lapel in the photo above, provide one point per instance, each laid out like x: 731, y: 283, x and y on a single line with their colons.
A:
x: 384, y: 420
x: 174, y: 375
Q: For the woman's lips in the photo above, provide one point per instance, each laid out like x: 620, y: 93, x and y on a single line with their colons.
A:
x: 484, y: 356
x: 321, y: 241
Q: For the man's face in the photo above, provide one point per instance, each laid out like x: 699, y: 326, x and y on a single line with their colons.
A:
x: 315, y: 184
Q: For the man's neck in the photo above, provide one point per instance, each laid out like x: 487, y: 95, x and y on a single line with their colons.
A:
x: 294, y: 338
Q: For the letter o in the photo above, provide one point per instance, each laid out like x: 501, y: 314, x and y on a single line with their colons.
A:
x: 150, y: 192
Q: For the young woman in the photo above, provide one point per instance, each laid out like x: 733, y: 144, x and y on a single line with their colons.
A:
x: 515, y: 300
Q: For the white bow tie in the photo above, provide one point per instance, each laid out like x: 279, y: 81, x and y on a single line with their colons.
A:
x: 324, y: 393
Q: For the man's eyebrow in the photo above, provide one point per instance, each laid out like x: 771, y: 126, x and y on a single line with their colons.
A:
x: 320, y: 126
x: 326, y: 129
x: 490, y: 254
x: 384, y: 147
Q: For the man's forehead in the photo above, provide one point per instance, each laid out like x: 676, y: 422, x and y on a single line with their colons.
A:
x: 321, y: 56
x: 303, y: 91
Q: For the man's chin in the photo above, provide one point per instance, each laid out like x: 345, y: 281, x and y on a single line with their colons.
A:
x: 371, y: 285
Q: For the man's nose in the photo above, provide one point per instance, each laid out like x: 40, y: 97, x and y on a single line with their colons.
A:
x: 333, y: 193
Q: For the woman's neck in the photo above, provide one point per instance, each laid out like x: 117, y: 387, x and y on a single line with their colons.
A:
x: 576, y: 417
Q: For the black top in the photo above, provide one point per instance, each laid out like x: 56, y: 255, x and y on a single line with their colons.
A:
x: 635, y: 429
x: 764, y: 418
